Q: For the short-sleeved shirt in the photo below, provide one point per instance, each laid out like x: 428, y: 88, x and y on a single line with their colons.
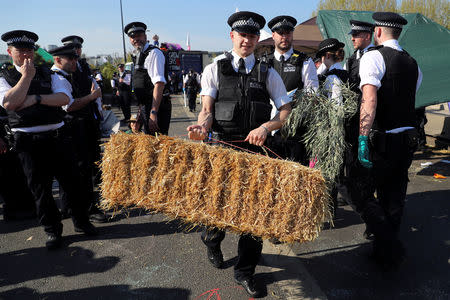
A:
x: 59, y: 85
x: 372, y: 67
x: 274, y: 83
x: 155, y: 63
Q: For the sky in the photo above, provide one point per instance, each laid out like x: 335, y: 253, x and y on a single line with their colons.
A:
x: 99, y: 22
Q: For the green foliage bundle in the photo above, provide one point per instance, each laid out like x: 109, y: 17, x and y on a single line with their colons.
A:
x: 323, y: 121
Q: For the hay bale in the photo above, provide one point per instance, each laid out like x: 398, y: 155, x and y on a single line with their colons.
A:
x: 214, y: 186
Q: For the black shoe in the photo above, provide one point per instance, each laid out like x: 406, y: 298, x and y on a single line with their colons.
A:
x: 54, y: 241
x: 275, y: 241
x: 368, y: 235
x: 215, y: 257
x: 86, y: 228
x: 98, y: 217
x: 249, y: 286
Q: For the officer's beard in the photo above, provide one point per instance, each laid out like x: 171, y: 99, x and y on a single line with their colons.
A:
x: 284, y: 49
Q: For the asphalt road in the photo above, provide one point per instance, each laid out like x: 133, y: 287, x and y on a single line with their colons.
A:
x: 145, y: 256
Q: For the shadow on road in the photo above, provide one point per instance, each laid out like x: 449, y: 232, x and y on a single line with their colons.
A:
x: 348, y: 273
x: 36, y: 263
x: 101, y: 292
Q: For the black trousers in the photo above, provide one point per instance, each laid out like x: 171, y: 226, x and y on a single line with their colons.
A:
x: 19, y: 201
x: 249, y: 247
x: 165, y: 109
x: 45, y: 156
x: 83, y: 133
x: 249, y: 251
x: 389, y: 178
x: 192, y: 96
x: 125, y: 103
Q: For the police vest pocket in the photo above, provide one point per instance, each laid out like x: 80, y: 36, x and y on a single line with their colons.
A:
x: 259, y: 113
x: 226, y: 111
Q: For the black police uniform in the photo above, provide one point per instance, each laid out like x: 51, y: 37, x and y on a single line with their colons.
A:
x: 391, y: 153
x: 45, y: 155
x: 143, y: 89
x: 191, y: 90
x: 18, y: 199
x: 290, y: 71
x: 143, y: 85
x: 242, y: 104
x: 82, y: 125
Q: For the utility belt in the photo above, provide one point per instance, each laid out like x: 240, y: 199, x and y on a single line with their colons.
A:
x: 51, y: 134
x: 383, y: 145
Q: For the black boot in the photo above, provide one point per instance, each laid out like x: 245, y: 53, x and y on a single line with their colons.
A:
x: 249, y: 286
x: 215, y: 257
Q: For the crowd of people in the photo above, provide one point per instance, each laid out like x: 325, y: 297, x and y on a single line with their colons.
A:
x: 52, y: 118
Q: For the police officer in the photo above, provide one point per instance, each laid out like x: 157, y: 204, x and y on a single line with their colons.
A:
x: 329, y: 53
x: 33, y: 98
x: 297, y: 71
x: 236, y: 89
x: 83, y: 122
x: 295, y: 68
x: 191, y: 84
x: 361, y: 36
x: 124, y: 91
x: 387, y: 139
x: 149, y: 79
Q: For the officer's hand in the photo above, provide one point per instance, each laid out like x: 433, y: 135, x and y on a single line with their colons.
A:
x: 153, y: 123
x: 117, y: 93
x: 363, y: 152
x: 27, y: 69
x: 197, y: 132
x: 120, y: 79
x: 257, y: 136
x: 3, y: 147
x: 95, y: 93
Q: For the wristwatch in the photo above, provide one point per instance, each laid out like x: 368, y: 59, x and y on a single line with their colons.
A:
x: 38, y: 99
x: 154, y: 112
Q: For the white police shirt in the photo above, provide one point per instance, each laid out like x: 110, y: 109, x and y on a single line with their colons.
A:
x: 309, y: 72
x: 274, y: 83
x: 154, y: 63
x: 372, y: 69
x: 333, y: 84
x: 126, y: 78
x: 58, y: 86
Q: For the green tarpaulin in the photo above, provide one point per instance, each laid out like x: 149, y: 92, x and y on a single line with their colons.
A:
x: 45, y: 55
x: 427, y: 41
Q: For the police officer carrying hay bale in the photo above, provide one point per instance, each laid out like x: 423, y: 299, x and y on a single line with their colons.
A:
x: 236, y: 93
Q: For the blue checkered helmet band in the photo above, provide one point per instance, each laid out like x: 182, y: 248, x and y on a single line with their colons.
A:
x: 388, y: 24
x: 249, y: 22
x: 361, y: 28
x: 282, y: 23
x: 75, y: 41
x: 22, y: 39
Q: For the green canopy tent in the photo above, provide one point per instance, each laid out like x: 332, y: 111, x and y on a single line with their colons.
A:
x: 427, y: 41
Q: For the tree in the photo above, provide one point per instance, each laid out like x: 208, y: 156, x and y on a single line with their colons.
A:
x: 437, y: 10
x: 361, y: 5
